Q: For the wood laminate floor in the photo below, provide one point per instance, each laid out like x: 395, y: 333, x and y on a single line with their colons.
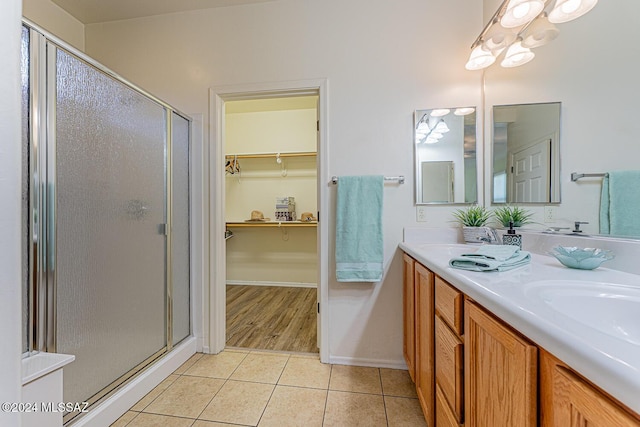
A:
x: 272, y: 318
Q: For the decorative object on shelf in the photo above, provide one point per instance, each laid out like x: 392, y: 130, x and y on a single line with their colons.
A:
x: 285, y: 208
x: 473, y: 220
x: 257, y: 216
x: 232, y: 165
x: 520, y: 25
x: 581, y: 258
x: 512, y: 214
x: 307, y: 217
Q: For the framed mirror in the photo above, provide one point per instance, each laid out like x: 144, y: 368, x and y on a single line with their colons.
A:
x: 445, y: 156
x: 526, y: 153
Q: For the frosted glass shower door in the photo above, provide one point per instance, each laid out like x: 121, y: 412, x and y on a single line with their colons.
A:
x: 110, y: 178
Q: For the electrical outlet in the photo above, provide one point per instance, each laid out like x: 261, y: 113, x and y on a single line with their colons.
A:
x: 549, y: 214
x: 421, y: 213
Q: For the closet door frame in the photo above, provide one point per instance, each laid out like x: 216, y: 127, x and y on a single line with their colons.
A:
x: 215, y: 330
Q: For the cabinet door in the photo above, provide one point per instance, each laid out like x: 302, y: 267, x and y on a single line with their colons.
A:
x: 425, y: 378
x: 409, y: 315
x: 568, y: 400
x: 500, y: 373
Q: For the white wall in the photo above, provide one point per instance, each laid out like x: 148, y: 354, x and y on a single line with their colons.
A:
x: 56, y: 20
x: 10, y: 214
x: 591, y: 68
x: 382, y: 60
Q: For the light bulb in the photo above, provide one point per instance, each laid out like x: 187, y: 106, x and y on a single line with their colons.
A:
x: 520, y: 12
x: 464, y: 111
x: 517, y: 55
x: 440, y: 112
x: 479, y: 59
x: 568, y: 10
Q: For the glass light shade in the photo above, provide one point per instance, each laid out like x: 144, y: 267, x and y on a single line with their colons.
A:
x: 464, y: 111
x: 431, y: 139
x: 568, y: 10
x: 440, y: 112
x: 497, y: 38
x: 441, y: 127
x: 520, y: 12
x: 479, y: 59
x: 540, y: 32
x: 517, y: 55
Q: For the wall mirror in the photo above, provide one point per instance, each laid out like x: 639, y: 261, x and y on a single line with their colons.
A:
x: 526, y: 153
x: 445, y: 155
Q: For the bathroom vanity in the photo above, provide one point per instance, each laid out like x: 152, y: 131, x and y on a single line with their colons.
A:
x: 538, y: 345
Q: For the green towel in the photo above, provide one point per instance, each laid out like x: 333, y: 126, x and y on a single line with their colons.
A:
x: 359, y: 248
x: 492, y: 258
x: 620, y: 203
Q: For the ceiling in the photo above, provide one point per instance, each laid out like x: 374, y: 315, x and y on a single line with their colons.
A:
x: 94, y: 11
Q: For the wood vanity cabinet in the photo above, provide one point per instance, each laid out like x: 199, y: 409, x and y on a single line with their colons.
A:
x: 566, y: 399
x: 425, y: 378
x: 409, y: 315
x: 500, y: 373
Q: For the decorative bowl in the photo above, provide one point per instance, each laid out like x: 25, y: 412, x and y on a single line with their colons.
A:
x: 581, y: 258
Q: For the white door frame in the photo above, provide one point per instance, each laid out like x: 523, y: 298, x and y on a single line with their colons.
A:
x: 217, y: 246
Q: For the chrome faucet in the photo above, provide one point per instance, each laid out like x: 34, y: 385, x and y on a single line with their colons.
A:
x: 491, y: 237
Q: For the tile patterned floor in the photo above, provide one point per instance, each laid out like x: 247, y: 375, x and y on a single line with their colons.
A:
x: 256, y: 388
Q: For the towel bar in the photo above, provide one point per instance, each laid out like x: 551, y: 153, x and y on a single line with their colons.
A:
x: 400, y: 179
x: 576, y: 176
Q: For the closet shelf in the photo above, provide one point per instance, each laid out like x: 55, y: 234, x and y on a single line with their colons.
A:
x: 273, y: 224
x: 270, y: 155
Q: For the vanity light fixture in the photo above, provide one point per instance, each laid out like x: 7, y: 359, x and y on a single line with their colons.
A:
x: 568, y: 10
x: 520, y: 12
x: 464, y: 111
x: 517, y: 55
x: 440, y: 112
x: 540, y: 32
x: 520, y: 25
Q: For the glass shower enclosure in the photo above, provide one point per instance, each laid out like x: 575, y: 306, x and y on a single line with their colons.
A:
x: 106, y: 202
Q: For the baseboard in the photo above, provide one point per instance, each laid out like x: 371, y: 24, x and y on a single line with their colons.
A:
x: 115, y: 406
x: 373, y: 363
x: 262, y: 283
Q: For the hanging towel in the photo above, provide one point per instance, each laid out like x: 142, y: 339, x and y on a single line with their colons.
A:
x: 620, y: 203
x: 359, y: 249
x: 492, y: 258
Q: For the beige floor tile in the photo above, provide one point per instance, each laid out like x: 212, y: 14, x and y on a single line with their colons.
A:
x: 261, y: 368
x: 396, y: 382
x: 186, y: 365
x: 219, y: 365
x: 202, y: 423
x: 306, y: 372
x: 153, y: 420
x: 354, y: 410
x: 151, y: 396
x: 294, y: 406
x: 124, y: 419
x: 238, y: 403
x: 404, y: 412
x: 357, y: 379
x: 186, y: 397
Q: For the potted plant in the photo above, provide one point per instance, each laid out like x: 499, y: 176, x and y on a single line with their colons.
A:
x: 507, y: 214
x: 473, y: 220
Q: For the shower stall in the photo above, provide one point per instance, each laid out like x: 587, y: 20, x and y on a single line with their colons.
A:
x: 106, y: 219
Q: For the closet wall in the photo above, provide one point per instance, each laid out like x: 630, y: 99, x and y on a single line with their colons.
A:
x: 272, y: 254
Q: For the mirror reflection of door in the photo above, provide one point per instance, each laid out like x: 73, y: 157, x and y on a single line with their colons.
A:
x: 437, y: 181
x: 530, y: 175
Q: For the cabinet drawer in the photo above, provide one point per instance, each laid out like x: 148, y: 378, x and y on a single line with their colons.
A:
x: 449, y: 304
x: 449, y: 366
x: 444, y: 415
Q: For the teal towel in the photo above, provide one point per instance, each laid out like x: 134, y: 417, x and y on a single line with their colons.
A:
x: 492, y: 258
x: 359, y: 249
x: 620, y: 204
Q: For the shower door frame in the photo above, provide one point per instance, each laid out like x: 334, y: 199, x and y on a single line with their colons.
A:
x: 42, y: 218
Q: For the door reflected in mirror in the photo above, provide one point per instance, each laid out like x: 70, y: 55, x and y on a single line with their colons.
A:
x: 526, y: 153
x: 445, y: 154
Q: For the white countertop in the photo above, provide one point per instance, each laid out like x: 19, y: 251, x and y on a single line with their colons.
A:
x: 611, y: 363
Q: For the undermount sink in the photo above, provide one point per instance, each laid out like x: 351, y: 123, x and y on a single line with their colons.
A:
x: 612, y: 309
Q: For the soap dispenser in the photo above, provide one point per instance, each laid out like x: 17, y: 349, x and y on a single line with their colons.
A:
x: 511, y: 238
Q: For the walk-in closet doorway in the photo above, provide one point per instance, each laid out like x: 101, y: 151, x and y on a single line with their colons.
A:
x: 268, y: 280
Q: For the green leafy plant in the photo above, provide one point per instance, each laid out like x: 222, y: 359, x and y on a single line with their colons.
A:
x: 506, y: 214
x: 472, y: 216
